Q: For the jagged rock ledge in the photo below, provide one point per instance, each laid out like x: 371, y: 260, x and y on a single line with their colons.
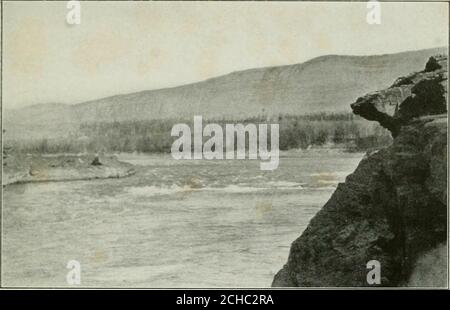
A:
x: 418, y: 94
x: 393, y: 208
x: 34, y: 168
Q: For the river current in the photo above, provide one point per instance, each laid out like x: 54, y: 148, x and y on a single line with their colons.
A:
x: 174, y: 223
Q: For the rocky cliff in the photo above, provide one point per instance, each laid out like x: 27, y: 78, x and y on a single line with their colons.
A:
x: 393, y: 208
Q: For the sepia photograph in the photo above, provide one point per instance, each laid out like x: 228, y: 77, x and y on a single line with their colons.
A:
x: 224, y: 145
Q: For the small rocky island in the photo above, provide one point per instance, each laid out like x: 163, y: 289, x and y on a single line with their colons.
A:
x: 393, y: 208
x: 46, y: 168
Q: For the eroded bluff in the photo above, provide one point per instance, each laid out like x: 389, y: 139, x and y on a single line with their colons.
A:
x: 393, y: 207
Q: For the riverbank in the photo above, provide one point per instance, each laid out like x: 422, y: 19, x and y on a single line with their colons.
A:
x: 52, y: 168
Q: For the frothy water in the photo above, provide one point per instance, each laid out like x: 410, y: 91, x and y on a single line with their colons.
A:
x: 232, y: 188
x: 173, y: 224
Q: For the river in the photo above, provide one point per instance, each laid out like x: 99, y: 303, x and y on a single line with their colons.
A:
x: 172, y: 224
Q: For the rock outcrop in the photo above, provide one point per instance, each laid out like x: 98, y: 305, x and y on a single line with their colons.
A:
x: 393, y: 208
x: 418, y: 94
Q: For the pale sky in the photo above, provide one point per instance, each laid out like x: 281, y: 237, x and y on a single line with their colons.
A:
x: 122, y: 47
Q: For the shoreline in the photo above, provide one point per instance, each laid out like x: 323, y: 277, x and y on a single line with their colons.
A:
x: 62, y: 168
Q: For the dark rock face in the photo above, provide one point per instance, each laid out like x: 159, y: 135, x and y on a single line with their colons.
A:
x: 418, y: 94
x: 393, y: 208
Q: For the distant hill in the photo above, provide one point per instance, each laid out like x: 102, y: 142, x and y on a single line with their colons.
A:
x: 323, y: 84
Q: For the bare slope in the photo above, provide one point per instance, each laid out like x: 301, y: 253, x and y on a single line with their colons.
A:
x: 326, y: 83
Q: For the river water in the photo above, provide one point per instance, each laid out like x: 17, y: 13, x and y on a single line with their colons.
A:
x: 172, y: 224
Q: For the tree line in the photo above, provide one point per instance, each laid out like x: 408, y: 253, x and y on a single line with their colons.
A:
x: 153, y: 136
